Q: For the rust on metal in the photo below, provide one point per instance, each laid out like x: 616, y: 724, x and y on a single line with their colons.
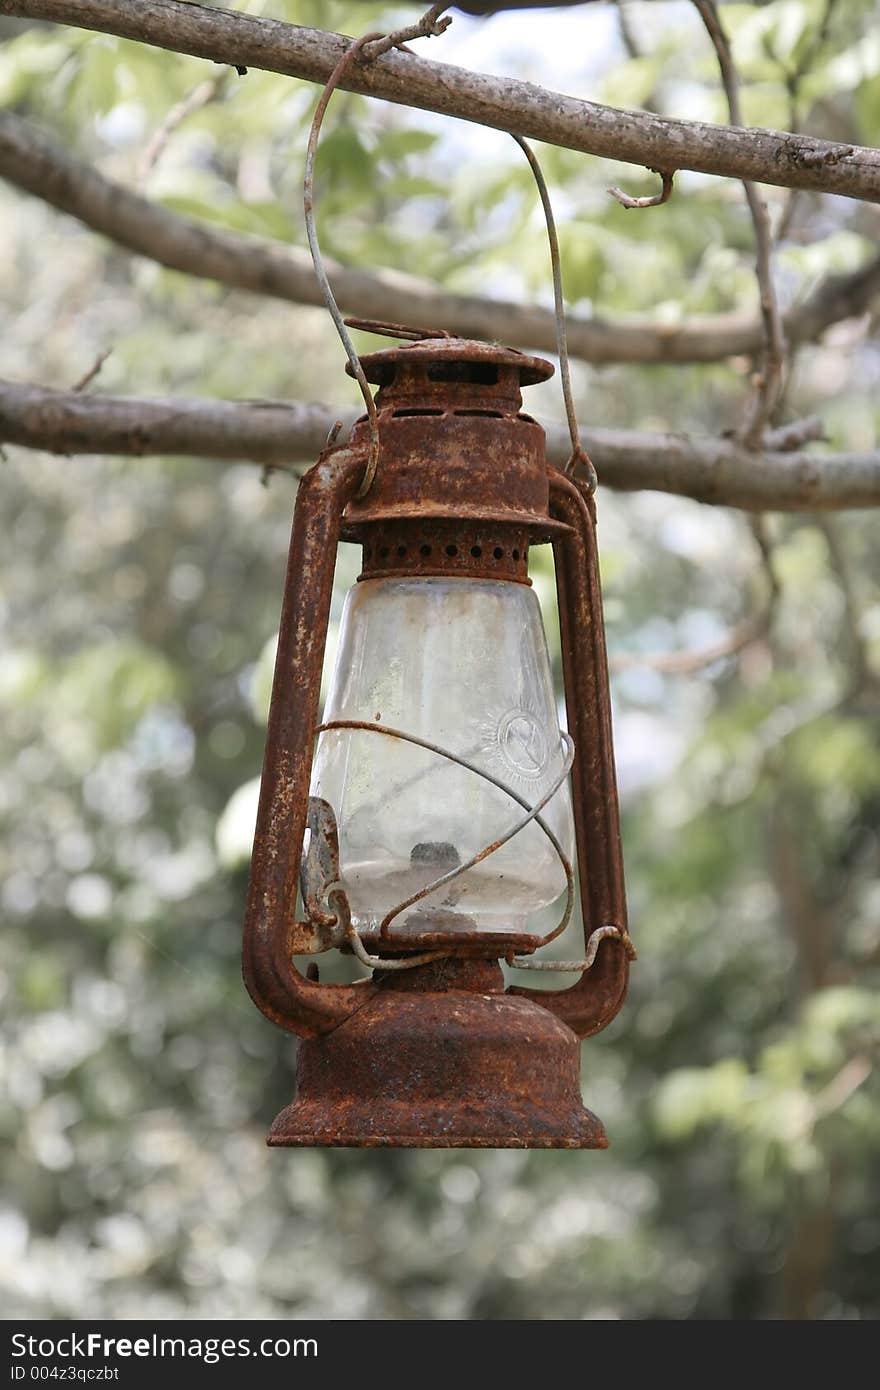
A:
x: 455, y: 446
x: 589, y: 1005
x: 320, y: 866
x: 396, y: 330
x: 436, y: 1054
x: 285, y: 996
x: 423, y: 547
x: 437, y: 362
x: 442, y: 1058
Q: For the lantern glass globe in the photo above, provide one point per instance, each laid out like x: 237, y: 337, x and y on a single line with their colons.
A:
x: 461, y: 663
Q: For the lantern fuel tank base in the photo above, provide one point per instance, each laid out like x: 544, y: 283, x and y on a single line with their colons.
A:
x: 416, y: 1068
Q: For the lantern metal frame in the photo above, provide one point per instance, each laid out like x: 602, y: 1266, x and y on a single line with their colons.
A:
x: 437, y: 1053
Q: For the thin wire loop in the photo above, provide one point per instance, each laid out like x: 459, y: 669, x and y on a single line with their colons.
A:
x: 579, y: 454
x: 337, y: 898
x: 532, y: 815
x: 615, y: 933
x: 497, y: 844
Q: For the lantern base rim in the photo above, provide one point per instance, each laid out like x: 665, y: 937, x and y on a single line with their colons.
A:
x: 404, y: 1141
x: 295, y: 1127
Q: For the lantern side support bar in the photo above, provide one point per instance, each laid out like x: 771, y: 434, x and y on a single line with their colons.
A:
x: 595, y: 999
x: 277, y: 988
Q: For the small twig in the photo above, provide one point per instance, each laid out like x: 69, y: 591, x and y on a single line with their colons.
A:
x: 768, y: 380
x: 795, y: 434
x: 200, y: 96
x: 862, y: 674
x: 627, y: 37
x: 750, y: 630
x: 794, y: 76
x: 838, y: 1091
x: 689, y: 663
x: 654, y: 201
x: 430, y: 26
x: 834, y: 1096
x: 93, y: 371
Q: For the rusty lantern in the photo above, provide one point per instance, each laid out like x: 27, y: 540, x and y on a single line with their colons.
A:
x: 437, y: 801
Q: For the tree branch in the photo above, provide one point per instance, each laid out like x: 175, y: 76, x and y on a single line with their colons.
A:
x: 625, y: 29
x: 775, y: 157
x: 33, y: 161
x: 794, y: 77
x: 750, y: 629
x: 860, y: 670
x: 654, y: 200
x: 94, y: 370
x: 200, y: 96
x: 811, y: 924
x: 288, y: 435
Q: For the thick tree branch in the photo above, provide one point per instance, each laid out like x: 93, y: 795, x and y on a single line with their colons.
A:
x: 287, y: 436
x: 33, y: 161
x: 767, y: 156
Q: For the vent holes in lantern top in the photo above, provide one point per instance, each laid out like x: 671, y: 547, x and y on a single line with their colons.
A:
x: 479, y: 373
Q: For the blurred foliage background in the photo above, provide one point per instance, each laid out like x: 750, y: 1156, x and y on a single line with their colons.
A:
x: 139, y: 604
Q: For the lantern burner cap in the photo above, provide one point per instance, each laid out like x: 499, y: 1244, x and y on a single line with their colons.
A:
x: 453, y: 359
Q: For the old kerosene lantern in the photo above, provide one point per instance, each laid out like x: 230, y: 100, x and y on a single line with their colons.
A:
x: 437, y: 802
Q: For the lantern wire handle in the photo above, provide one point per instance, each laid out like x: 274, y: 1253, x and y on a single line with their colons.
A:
x: 366, y: 726
x: 430, y: 24
x: 318, y: 262
x: 579, y: 454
